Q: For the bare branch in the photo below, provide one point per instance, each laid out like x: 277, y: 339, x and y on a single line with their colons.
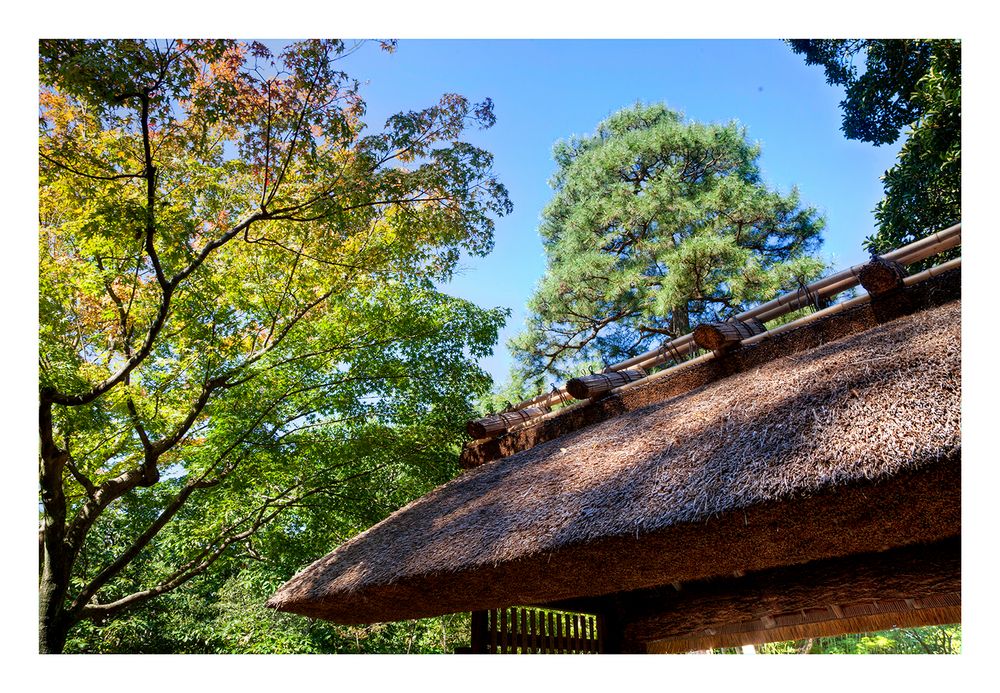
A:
x: 131, y: 552
x: 295, y: 137
x: 288, y: 283
x: 149, y: 172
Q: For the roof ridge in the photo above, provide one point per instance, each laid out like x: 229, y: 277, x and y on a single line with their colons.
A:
x: 928, y: 289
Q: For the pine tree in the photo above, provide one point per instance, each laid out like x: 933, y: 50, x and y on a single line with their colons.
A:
x: 657, y: 224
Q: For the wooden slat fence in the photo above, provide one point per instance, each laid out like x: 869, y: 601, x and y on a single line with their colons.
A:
x: 526, y: 630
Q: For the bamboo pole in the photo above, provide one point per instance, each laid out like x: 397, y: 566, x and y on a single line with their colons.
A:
x: 933, y: 272
x: 795, y: 324
x: 938, y: 242
x: 931, y: 245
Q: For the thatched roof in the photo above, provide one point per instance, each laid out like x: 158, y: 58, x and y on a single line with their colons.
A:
x: 809, y: 456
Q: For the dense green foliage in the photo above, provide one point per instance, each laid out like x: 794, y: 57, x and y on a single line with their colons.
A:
x: 223, y: 613
x: 916, y: 84
x: 244, y: 358
x: 925, y: 640
x: 655, y: 225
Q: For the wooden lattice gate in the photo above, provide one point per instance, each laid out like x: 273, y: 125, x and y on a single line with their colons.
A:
x: 525, y: 630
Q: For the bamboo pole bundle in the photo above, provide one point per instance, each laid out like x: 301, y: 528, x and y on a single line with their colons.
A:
x: 592, y: 385
x: 881, y: 276
x: 720, y: 336
x: 804, y: 320
x: 490, y: 426
x: 945, y: 239
x: 848, y: 278
x: 819, y: 290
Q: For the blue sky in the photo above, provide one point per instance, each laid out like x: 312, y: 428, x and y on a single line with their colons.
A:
x: 546, y: 90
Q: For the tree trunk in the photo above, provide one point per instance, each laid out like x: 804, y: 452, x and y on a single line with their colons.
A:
x: 680, y: 322
x: 53, y: 624
x: 56, y: 560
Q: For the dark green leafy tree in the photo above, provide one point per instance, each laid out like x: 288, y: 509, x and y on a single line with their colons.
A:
x: 239, y: 327
x: 919, y: 640
x: 892, y: 85
x: 657, y: 224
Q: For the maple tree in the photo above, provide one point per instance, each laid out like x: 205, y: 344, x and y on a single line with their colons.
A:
x: 239, y: 319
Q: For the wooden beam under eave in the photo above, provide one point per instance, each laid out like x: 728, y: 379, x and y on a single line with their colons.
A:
x: 858, y: 587
x: 910, y: 618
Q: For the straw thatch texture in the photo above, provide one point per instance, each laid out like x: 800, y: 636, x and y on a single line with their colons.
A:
x: 901, y: 618
x: 907, y: 583
x: 852, y: 446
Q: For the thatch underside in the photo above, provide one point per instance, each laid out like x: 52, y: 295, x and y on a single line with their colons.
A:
x: 849, y: 447
x: 916, y: 585
x: 894, y: 616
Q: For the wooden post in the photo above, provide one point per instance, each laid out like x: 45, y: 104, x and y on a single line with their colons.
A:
x: 881, y: 276
x: 587, y: 386
x: 532, y: 631
x: 480, y: 631
x: 503, y: 631
x: 722, y: 336
x: 603, y: 645
x: 523, y: 632
x: 611, y: 634
x: 493, y: 631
